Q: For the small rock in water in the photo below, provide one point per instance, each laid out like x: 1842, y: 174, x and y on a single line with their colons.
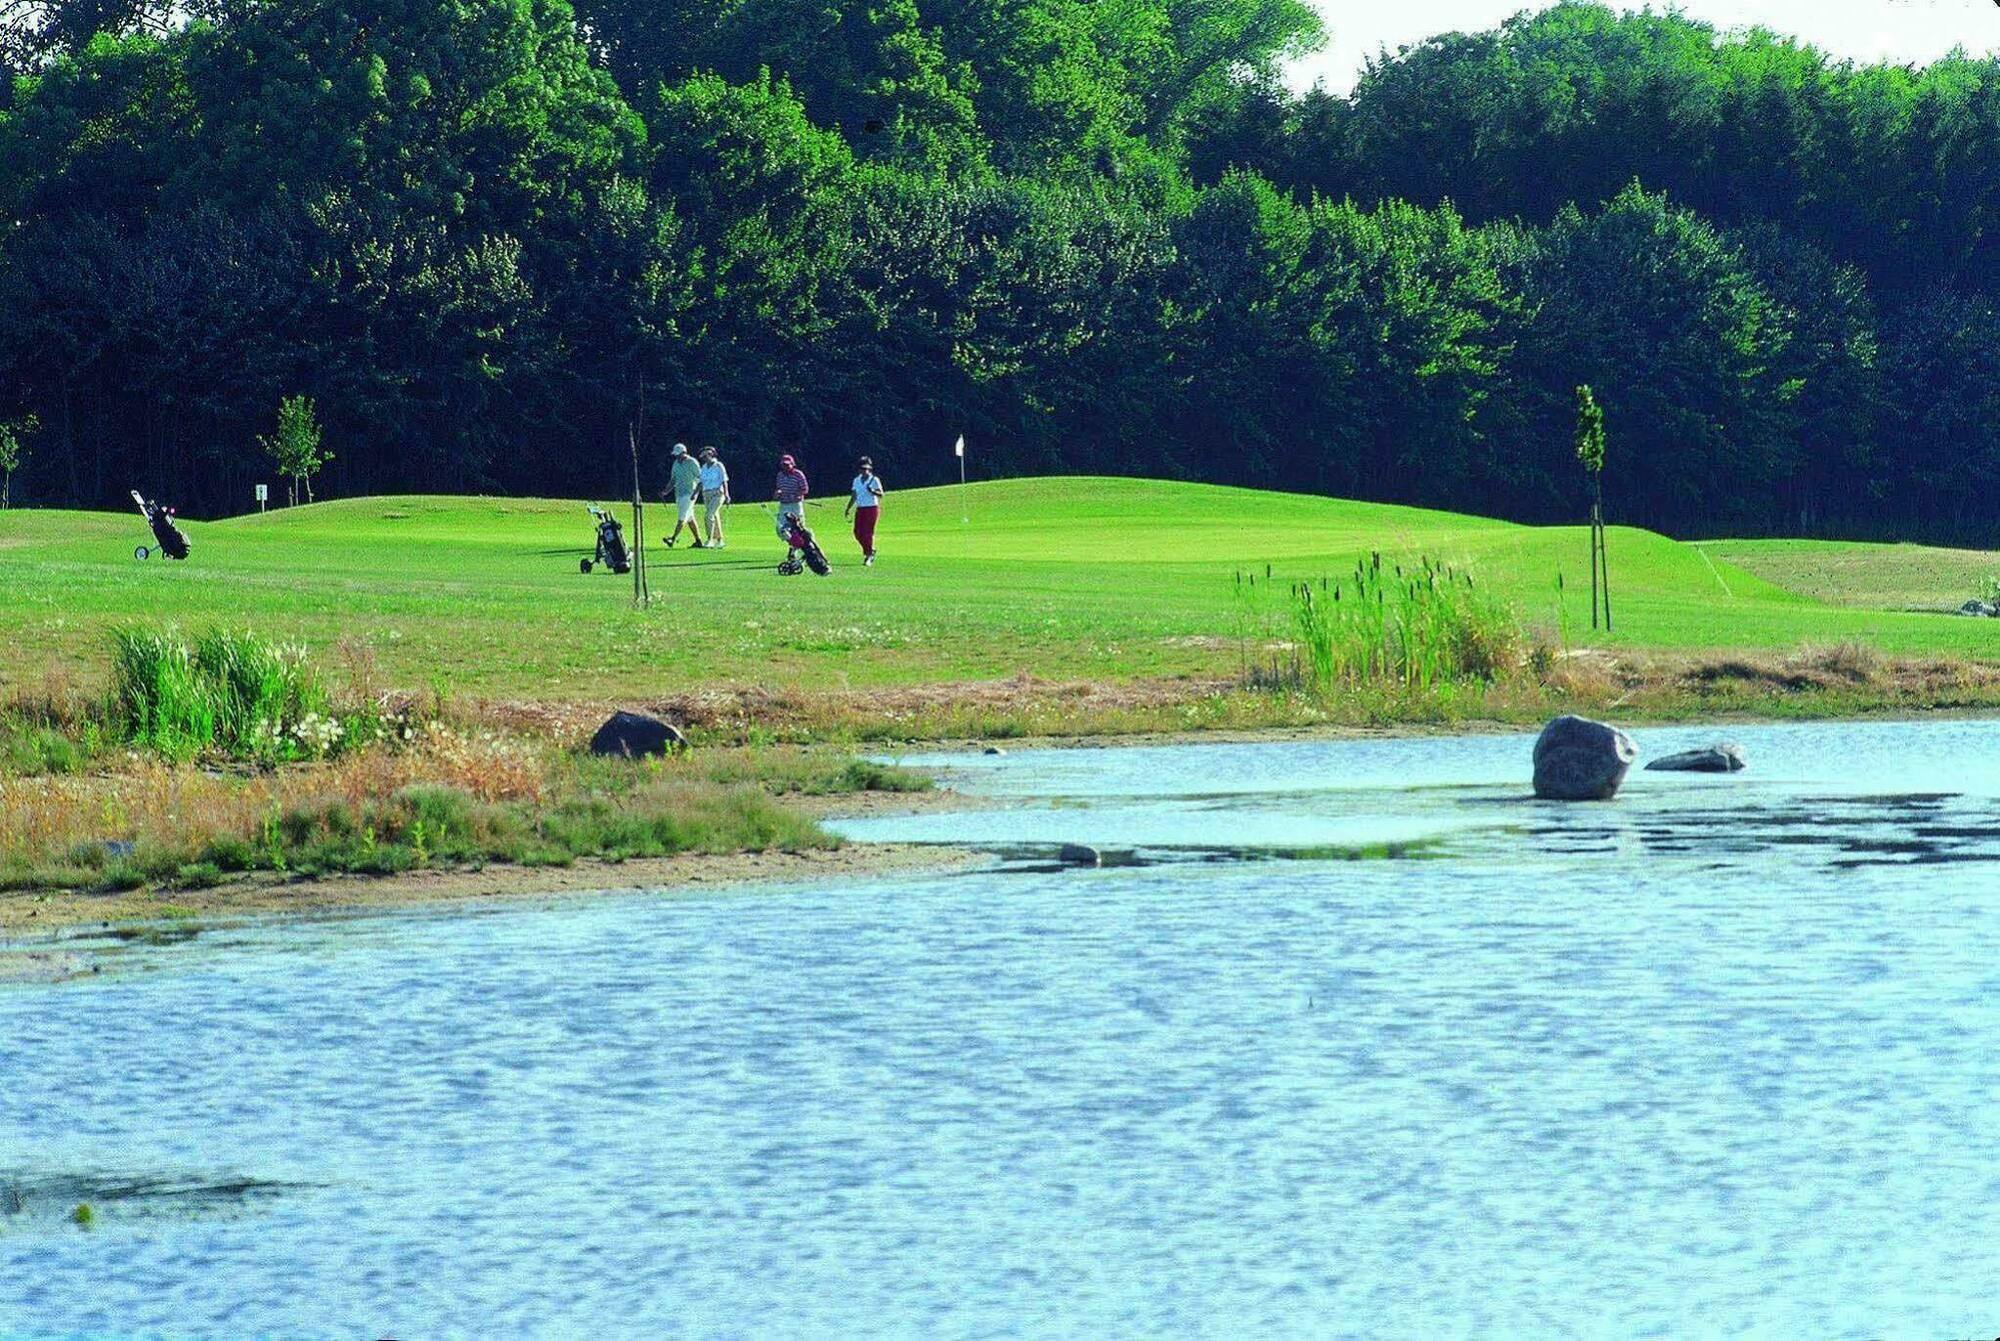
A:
x: 633, y: 734
x: 1577, y: 759
x: 1078, y: 854
x: 995, y: 749
x: 1725, y: 756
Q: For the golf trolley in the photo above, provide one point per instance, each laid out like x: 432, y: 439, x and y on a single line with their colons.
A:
x: 805, y: 551
x: 168, y: 542
x: 611, y: 551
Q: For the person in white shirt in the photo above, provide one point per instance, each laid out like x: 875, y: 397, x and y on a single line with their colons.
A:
x: 866, y: 505
x: 714, y: 493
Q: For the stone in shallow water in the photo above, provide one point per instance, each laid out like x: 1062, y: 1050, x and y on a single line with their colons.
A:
x: 1725, y: 756
x: 1079, y: 854
x: 632, y: 734
x: 1577, y: 759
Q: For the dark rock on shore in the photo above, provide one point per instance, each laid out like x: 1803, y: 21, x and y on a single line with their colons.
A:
x: 632, y: 735
x: 1721, y: 757
x: 1078, y: 854
x: 1577, y: 759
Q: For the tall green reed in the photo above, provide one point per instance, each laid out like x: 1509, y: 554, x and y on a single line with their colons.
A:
x: 227, y: 693
x: 1426, y: 626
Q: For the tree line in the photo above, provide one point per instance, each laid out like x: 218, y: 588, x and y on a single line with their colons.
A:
x: 484, y: 237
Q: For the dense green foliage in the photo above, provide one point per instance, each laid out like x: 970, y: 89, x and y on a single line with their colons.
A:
x: 485, y: 237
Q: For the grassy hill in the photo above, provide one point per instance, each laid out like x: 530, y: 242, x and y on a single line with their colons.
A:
x: 1071, y: 577
x: 1878, y: 577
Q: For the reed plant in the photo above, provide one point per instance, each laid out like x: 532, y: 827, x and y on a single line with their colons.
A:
x: 1422, y: 627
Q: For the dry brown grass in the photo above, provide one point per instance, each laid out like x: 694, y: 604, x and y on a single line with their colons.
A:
x: 149, y: 803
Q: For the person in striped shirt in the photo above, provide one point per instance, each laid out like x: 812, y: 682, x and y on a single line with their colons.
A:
x: 790, y: 495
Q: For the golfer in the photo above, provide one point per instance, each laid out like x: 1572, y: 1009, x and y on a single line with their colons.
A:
x: 866, y: 505
x: 790, y: 495
x: 714, y: 493
x: 686, y: 482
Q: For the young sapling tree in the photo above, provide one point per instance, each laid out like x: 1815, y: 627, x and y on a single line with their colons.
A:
x: 14, y: 435
x: 1590, y: 451
x: 296, y: 447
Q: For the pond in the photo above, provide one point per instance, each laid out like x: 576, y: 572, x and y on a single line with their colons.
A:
x: 1347, y: 1037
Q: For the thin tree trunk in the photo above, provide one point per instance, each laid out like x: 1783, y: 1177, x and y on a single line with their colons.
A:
x: 642, y: 595
x: 1603, y: 557
x: 1593, y: 566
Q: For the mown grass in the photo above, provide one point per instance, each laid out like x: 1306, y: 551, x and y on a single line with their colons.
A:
x: 1074, y: 579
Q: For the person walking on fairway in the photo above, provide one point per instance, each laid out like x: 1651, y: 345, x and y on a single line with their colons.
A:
x: 866, y: 505
x: 714, y: 493
x: 686, y: 481
x: 790, y: 495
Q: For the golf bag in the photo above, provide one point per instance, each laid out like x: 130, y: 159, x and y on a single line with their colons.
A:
x: 168, y: 542
x: 805, y: 550
x: 611, y: 551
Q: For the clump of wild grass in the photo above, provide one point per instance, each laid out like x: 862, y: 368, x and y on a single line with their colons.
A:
x: 1422, y: 628
x: 1853, y: 660
x: 228, y: 693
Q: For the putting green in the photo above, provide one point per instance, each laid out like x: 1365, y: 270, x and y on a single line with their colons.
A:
x: 1060, y: 578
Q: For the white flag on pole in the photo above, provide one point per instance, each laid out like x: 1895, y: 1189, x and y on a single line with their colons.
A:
x: 959, y: 449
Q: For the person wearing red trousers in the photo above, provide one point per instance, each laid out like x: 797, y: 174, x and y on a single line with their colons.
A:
x: 865, y: 502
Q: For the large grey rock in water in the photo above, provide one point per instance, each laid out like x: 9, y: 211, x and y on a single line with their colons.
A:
x: 1721, y: 757
x: 1577, y: 759
x: 632, y: 734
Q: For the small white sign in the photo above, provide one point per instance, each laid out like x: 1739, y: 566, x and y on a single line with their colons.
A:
x: 263, y: 493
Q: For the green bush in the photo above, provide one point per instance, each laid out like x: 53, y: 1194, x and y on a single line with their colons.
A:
x: 28, y: 749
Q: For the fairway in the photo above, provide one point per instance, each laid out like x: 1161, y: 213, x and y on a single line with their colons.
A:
x: 1060, y: 578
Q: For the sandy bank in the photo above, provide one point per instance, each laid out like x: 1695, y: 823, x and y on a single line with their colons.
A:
x: 32, y: 921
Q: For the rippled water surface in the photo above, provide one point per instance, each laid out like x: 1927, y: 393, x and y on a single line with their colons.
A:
x: 1351, y: 1039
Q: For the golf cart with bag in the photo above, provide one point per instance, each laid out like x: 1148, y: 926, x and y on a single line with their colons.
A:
x: 611, y: 551
x: 805, y: 551
x: 168, y: 542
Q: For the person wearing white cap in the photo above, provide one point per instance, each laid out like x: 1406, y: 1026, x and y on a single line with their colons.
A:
x: 714, y: 493
x: 686, y: 483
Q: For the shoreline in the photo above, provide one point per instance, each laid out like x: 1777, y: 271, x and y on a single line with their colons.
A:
x: 34, y: 924
x: 35, y: 927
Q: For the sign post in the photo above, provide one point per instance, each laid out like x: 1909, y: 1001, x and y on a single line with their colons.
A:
x: 263, y: 496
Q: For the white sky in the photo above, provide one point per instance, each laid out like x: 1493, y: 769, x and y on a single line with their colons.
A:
x: 1893, y: 30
